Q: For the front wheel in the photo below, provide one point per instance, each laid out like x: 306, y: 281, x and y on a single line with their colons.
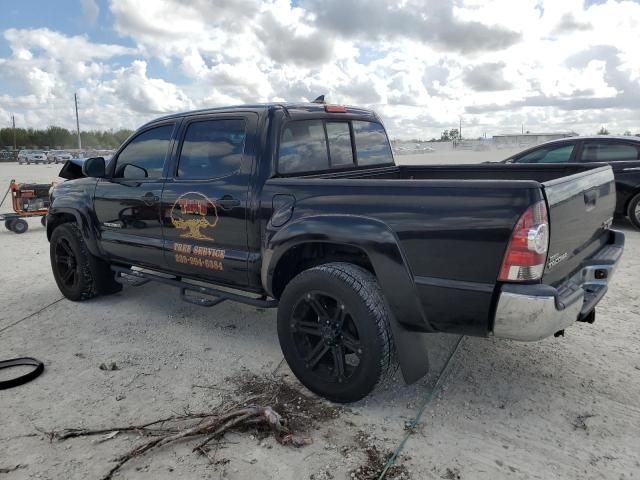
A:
x: 334, y: 331
x: 77, y: 272
x: 633, y: 211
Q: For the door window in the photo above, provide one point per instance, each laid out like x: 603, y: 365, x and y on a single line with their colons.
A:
x: 372, y: 144
x: 144, y: 156
x: 212, y: 148
x: 609, y: 152
x: 550, y: 154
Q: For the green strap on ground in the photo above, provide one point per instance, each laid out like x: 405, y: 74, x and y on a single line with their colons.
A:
x: 444, y: 374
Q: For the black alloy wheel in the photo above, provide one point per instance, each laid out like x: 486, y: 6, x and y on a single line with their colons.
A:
x: 326, y: 337
x: 334, y: 328
x: 66, y: 264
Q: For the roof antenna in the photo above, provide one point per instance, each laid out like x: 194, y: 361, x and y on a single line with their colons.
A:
x: 320, y: 99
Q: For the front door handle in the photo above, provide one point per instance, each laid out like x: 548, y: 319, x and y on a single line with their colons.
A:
x: 228, y: 202
x: 150, y: 198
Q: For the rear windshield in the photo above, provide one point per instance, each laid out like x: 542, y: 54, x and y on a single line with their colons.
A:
x: 319, y: 145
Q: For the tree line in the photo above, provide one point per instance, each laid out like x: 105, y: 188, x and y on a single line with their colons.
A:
x: 60, y: 138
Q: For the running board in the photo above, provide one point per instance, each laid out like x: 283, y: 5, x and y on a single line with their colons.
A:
x: 218, y: 295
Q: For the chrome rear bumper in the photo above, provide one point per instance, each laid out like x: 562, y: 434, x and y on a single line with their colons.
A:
x: 534, y: 312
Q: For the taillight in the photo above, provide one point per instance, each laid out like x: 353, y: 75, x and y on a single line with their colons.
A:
x: 526, y: 254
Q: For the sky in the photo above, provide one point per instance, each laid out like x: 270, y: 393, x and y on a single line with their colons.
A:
x: 424, y: 65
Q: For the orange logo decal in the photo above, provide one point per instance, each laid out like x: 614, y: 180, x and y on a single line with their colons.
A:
x: 195, y: 214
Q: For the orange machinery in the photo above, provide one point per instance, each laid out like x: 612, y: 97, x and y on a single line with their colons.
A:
x: 28, y: 200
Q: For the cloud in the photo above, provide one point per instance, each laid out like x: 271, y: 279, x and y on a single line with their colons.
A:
x: 147, y: 95
x: 569, y: 24
x: 427, y: 21
x: 487, y: 77
x: 90, y: 10
x: 284, y: 44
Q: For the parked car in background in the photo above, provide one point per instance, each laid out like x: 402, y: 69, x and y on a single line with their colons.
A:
x: 58, y: 156
x: 622, y: 153
x: 32, y: 156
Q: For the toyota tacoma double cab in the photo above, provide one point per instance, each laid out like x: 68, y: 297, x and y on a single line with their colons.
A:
x: 301, y: 206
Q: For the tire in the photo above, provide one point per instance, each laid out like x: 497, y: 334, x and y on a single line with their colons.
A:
x: 7, y: 224
x: 19, y: 226
x: 43, y: 220
x: 633, y: 211
x: 334, y: 331
x: 89, y: 275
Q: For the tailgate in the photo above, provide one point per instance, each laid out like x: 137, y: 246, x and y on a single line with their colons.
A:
x: 581, y: 210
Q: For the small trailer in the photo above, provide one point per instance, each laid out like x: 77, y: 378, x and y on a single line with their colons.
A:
x: 28, y: 200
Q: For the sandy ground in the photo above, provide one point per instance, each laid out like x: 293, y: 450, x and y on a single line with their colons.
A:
x: 562, y: 408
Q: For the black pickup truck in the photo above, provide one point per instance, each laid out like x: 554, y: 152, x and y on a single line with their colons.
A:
x: 301, y: 206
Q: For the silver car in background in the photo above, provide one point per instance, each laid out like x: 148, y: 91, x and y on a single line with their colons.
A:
x: 58, y: 156
x: 32, y: 156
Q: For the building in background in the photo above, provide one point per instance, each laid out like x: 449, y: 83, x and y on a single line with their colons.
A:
x: 523, y: 140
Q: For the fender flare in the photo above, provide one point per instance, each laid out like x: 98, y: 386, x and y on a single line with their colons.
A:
x: 391, y: 268
x: 83, y: 221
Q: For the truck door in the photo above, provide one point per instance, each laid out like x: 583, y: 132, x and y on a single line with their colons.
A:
x: 205, y: 200
x: 127, y: 205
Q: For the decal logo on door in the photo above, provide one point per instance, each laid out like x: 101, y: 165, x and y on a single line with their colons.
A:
x: 195, y: 214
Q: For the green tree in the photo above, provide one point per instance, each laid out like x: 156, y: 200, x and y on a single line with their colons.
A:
x: 603, y: 131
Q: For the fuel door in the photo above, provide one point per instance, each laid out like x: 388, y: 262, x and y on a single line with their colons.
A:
x: 282, y: 205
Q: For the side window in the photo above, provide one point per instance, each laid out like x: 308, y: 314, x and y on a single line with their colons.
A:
x: 372, y: 144
x: 144, y: 156
x: 550, y: 154
x: 303, y: 147
x: 340, y: 150
x: 609, y: 152
x: 212, y: 148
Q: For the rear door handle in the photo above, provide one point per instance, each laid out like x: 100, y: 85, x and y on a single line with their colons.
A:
x: 590, y: 199
x: 228, y: 202
x: 150, y: 198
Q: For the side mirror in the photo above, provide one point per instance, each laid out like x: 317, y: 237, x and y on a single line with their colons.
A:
x: 94, y: 167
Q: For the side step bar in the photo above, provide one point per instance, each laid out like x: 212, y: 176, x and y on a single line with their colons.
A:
x: 218, y: 295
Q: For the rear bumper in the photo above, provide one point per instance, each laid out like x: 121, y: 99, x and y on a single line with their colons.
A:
x: 534, y: 312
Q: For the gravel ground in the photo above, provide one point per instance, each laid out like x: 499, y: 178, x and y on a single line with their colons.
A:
x: 557, y: 409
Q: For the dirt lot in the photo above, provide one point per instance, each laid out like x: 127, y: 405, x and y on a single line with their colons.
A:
x: 558, y: 409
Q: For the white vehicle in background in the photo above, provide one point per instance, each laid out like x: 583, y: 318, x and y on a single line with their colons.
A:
x: 32, y: 156
x: 58, y: 156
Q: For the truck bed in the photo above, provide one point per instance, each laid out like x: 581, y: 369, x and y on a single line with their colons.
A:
x: 453, y: 223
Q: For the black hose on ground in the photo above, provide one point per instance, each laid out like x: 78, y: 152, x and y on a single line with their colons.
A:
x: 27, y: 377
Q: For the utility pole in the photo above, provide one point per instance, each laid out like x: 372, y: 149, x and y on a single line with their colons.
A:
x: 523, y: 128
x: 75, y: 98
x: 13, y: 121
x: 460, y: 129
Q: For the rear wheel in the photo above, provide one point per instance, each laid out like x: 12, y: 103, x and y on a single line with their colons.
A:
x: 633, y: 211
x: 77, y: 272
x: 19, y: 226
x: 333, y: 326
x: 7, y: 224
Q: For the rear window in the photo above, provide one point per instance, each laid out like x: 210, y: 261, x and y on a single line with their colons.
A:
x: 339, y: 135
x: 372, y: 144
x: 316, y: 145
x: 609, y: 152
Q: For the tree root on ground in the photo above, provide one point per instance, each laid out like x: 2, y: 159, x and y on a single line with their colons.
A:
x: 179, y: 427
